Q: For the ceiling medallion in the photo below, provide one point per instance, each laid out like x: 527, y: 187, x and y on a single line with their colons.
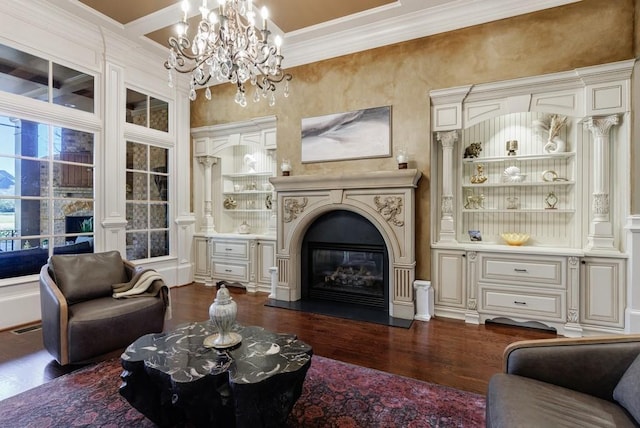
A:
x: 228, y: 46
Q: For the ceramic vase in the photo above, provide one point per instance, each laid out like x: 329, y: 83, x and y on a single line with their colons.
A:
x: 222, y: 313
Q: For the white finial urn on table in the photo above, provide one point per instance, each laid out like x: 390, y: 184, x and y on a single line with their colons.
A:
x: 222, y: 313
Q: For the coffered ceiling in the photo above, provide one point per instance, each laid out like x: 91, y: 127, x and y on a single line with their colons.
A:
x: 312, y: 29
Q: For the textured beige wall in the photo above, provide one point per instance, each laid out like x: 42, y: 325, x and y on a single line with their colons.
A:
x: 585, y: 33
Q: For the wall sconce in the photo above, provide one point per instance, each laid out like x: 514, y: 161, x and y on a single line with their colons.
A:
x: 402, y: 158
x: 285, y: 167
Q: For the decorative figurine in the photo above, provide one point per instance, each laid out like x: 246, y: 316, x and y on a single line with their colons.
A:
x: 479, y: 176
x: 513, y: 202
x: 551, y: 200
x: 512, y: 147
x: 473, y: 150
x: 474, y: 201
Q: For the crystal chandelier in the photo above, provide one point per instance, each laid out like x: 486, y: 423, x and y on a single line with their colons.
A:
x: 228, y: 46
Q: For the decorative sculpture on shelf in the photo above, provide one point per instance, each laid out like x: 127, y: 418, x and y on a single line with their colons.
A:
x: 552, y: 125
x: 550, y: 201
x: 473, y: 150
x: 250, y: 161
x: 474, y: 201
x: 479, y: 176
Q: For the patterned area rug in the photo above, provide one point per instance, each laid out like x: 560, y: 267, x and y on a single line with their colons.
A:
x: 335, y: 394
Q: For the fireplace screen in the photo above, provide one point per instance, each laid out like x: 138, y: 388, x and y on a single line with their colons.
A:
x: 354, y: 275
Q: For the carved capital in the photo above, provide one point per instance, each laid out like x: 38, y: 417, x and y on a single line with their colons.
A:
x: 207, y: 161
x: 447, y: 138
x: 389, y: 208
x: 600, y: 126
x: 292, y: 207
x: 573, y: 261
x: 471, y: 255
x: 600, y: 203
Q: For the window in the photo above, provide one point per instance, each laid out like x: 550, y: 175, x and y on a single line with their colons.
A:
x: 42, y: 212
x: 147, y: 201
x: 147, y: 111
x: 33, y: 77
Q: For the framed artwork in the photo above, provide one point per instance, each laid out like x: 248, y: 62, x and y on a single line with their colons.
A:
x: 352, y: 135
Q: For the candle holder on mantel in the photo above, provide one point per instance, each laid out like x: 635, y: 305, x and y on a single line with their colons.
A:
x: 285, y: 167
x: 402, y: 158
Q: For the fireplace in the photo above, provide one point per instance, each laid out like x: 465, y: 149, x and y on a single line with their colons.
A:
x: 344, y: 259
x: 351, y: 255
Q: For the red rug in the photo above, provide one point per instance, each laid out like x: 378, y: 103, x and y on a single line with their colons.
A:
x: 335, y: 394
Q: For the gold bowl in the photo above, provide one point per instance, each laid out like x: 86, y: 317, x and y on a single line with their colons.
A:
x: 514, y: 238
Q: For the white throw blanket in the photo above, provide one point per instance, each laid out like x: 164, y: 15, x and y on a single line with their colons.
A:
x: 139, y: 285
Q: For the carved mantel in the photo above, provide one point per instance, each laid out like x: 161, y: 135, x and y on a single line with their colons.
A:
x: 385, y: 198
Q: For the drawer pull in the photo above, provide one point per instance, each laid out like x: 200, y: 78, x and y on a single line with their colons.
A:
x: 520, y: 270
x: 228, y: 270
x: 519, y: 303
x: 228, y: 249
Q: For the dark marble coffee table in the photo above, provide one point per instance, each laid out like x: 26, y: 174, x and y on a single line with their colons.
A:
x: 173, y: 379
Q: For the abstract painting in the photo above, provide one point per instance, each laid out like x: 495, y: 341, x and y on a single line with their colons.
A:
x: 352, y: 135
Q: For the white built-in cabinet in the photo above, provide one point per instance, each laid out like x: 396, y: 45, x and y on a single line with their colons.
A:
x: 569, y: 193
x: 234, y: 201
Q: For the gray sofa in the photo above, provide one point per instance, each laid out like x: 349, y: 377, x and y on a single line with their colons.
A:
x: 584, y: 382
x: 81, y: 320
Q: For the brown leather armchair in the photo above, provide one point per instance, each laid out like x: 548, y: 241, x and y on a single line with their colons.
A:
x: 567, y: 382
x: 81, y: 319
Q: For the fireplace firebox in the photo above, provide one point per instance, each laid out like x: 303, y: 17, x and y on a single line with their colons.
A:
x: 344, y: 259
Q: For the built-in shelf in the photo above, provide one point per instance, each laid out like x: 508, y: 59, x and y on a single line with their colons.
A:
x: 524, y: 158
x: 524, y: 184
x: 520, y: 211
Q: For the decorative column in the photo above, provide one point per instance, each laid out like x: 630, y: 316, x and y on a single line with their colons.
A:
x: 601, y: 232
x: 207, y: 221
x: 447, y: 222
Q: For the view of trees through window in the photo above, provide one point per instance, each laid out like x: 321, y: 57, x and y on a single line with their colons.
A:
x: 46, y: 194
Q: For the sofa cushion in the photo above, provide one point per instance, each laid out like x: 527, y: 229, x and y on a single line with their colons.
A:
x: 516, y: 401
x: 627, y: 392
x: 82, y: 277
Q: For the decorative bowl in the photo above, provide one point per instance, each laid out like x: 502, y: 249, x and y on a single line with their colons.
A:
x: 514, y: 238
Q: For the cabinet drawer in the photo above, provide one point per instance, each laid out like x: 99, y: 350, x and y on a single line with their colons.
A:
x: 231, y: 249
x: 237, y: 272
x: 530, y: 304
x: 542, y: 271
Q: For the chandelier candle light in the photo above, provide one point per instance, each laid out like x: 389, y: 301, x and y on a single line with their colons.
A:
x: 228, y: 46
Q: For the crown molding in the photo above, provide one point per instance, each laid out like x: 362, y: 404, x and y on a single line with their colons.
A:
x: 386, y: 25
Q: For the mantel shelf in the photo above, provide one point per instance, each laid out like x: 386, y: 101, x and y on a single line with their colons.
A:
x: 524, y: 158
x: 248, y: 211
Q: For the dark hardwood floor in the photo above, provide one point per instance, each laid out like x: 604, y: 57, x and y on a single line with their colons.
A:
x: 443, y: 351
